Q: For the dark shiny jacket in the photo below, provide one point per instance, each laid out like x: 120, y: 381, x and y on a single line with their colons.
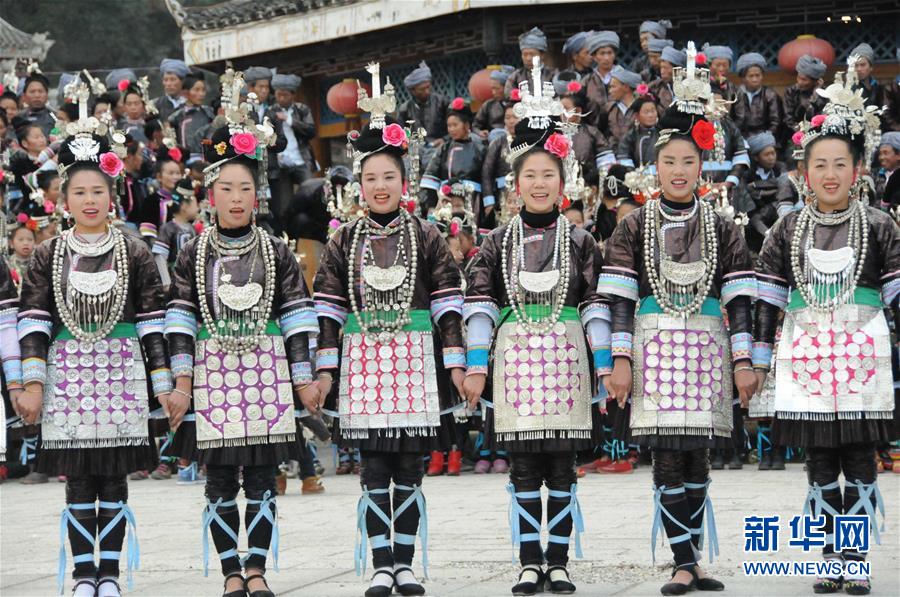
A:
x: 890, y: 119
x: 191, y: 124
x: 638, y: 146
x: 801, y: 105
x: 615, y: 123
x: 461, y: 159
x: 495, y: 166
x: 145, y: 301
x: 589, y: 145
x: 489, y: 116
x: 764, y: 114
x: 303, y: 126
x: 662, y: 91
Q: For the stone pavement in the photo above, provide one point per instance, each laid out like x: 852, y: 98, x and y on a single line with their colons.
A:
x: 468, y: 535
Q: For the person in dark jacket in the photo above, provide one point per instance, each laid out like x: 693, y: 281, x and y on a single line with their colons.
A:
x: 193, y: 116
x: 638, y: 146
x: 873, y: 92
x: 173, y: 72
x: 590, y: 146
x: 662, y: 87
x: 34, y: 102
x: 496, y: 167
x: 655, y: 48
x: 618, y: 112
x: 649, y: 31
x: 532, y: 44
x: 758, y: 108
x: 801, y: 102
x: 761, y: 183
x: 576, y: 51
x: 427, y: 110
x: 490, y: 114
x: 603, y: 47
x: 720, y: 59
x: 296, y: 163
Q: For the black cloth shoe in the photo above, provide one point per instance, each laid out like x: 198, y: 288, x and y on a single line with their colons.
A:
x: 765, y: 463
x: 860, y: 586
x: 239, y: 592
x: 824, y: 586
x: 531, y: 580
x: 381, y: 590
x: 262, y: 593
x: 717, y: 462
x: 677, y: 588
x: 706, y: 584
x: 558, y: 580
x: 409, y: 588
x: 736, y: 463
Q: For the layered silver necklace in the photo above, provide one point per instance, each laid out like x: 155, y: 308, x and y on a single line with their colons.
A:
x: 679, y: 288
x: 241, y: 310
x: 93, y: 302
x: 827, y: 279
x: 387, y: 292
x: 546, y: 290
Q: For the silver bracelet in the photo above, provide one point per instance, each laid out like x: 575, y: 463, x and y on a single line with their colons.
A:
x: 744, y: 368
x: 185, y: 394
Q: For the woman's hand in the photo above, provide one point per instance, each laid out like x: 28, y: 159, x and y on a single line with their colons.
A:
x: 473, y: 388
x: 29, y: 404
x: 311, y: 397
x: 746, y: 383
x: 619, y: 383
x: 324, y: 382
x: 179, y: 401
x: 458, y: 376
x: 760, y: 379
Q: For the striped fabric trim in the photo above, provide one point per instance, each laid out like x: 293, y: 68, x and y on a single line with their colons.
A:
x: 182, y: 365
x: 327, y: 358
x: 147, y: 229
x: 761, y: 354
x: 11, y: 303
x: 332, y: 307
x: 741, y: 344
x: 739, y: 284
x: 605, y: 158
x: 741, y: 158
x: 304, y: 319
x: 733, y: 179
x: 160, y: 248
x: 627, y: 162
x: 430, y: 182
x: 772, y: 292
x: 617, y: 281
x: 500, y: 182
x: 301, y: 373
x: 34, y: 369
x: 179, y: 321
x: 447, y: 304
x: 890, y: 290
x: 454, y: 356
x: 593, y: 311
x: 481, y: 304
x: 621, y: 344
x: 488, y: 200
x: 30, y: 325
x: 9, y: 343
x: 150, y: 323
x: 161, y: 380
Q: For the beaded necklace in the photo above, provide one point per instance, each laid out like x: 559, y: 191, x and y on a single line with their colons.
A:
x: 94, y: 301
x: 387, y: 292
x: 242, y: 311
x: 680, y: 288
x: 546, y: 289
x: 822, y: 271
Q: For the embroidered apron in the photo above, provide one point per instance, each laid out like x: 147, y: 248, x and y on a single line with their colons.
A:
x: 389, y: 385
x: 835, y: 366
x: 682, y: 372
x: 96, y: 395
x: 542, y: 384
x: 243, y: 399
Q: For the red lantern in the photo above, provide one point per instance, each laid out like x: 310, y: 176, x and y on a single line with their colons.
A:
x: 791, y: 52
x: 480, y: 84
x: 342, y: 97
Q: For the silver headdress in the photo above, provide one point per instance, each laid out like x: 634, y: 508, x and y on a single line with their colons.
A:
x: 378, y: 106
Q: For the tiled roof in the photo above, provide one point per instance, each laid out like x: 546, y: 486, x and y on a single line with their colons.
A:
x: 18, y: 44
x: 237, y: 12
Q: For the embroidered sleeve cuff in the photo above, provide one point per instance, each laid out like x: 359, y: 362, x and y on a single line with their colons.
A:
x: 627, y: 162
x: 481, y: 304
x: 621, y: 344
x: 301, y: 373
x: 890, y: 289
x: 603, y: 361
x: 150, y: 323
x: 12, y: 371
x: 180, y: 321
x: 302, y: 319
x: 446, y: 304
x: 454, y: 357
x: 34, y: 370
x: 593, y: 311
x: 473, y: 370
x: 161, y: 380
x: 488, y: 200
x: 430, y: 182
x: 762, y: 355
x: 615, y: 281
x: 330, y: 307
x: 182, y: 365
x: 160, y: 248
x: 326, y: 358
x: 34, y: 321
x: 738, y: 284
x: 732, y: 179
x: 772, y: 290
x: 740, y: 346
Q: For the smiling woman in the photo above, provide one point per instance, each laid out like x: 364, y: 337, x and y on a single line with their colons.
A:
x: 93, y: 307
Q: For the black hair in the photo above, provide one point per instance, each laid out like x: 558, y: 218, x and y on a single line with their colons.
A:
x: 190, y: 80
x: 151, y: 125
x: 520, y: 161
x: 163, y: 158
x: 682, y: 124
x: 630, y: 202
x: 71, y: 111
x: 105, y: 98
x: 535, y: 137
x: 247, y: 164
x: 397, y: 159
x: 4, y: 118
x: 93, y: 167
x: 132, y: 89
x: 8, y: 94
x: 855, y: 144
x: 639, y: 102
x: 45, y: 178
x: 22, y: 130
x: 36, y: 78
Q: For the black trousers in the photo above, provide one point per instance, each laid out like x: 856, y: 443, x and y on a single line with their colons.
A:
x: 680, y: 478
x: 377, y: 471
x: 823, y: 466
x: 223, y: 483
x: 81, y: 494
x: 527, y: 473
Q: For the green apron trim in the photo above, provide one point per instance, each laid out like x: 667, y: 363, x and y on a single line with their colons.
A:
x: 507, y: 315
x: 122, y: 330
x: 272, y: 329
x: 863, y: 295
x: 710, y: 306
x: 420, y: 321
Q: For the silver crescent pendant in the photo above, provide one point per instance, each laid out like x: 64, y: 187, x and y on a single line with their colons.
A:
x: 384, y: 279
x: 240, y: 298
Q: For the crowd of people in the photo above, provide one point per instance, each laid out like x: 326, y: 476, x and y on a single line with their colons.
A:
x: 600, y: 268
